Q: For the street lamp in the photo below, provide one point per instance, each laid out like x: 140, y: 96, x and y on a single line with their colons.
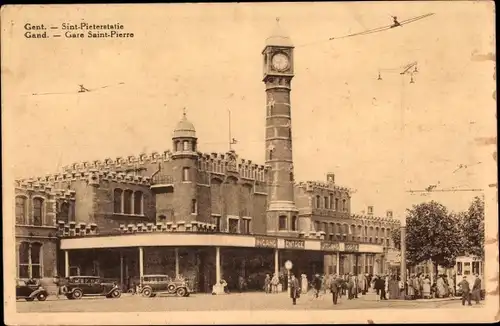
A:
x: 409, y: 69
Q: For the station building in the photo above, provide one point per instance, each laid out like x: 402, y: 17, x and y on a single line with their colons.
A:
x: 205, y: 216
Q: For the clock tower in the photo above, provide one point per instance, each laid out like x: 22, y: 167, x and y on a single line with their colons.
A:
x: 282, y: 214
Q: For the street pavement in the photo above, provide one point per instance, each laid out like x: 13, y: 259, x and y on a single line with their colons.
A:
x: 233, y: 301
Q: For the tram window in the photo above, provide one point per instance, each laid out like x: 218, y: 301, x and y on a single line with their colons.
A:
x: 459, y: 268
x: 475, y: 267
x: 467, y: 270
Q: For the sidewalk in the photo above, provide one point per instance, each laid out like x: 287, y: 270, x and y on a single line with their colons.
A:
x: 373, y: 297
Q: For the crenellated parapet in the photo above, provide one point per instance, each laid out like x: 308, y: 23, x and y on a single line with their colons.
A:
x: 229, y: 162
x: 372, y: 218
x: 73, y: 229
x: 92, y: 176
x: 120, y: 162
x: 34, y: 185
x: 313, y: 185
x: 179, y: 226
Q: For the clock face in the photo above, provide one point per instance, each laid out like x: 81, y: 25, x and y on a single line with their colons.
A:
x: 280, y: 62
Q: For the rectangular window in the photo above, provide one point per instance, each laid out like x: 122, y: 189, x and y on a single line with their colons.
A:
x: 185, y: 174
x: 336, y: 204
x: 233, y: 225
x: 318, y: 201
x: 330, y: 202
x: 316, y: 226
x: 294, y: 223
x: 216, y: 221
x: 326, y: 203
x: 185, y: 145
x: 282, y: 223
x: 245, y: 226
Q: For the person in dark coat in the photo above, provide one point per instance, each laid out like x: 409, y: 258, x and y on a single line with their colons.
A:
x: 317, y: 285
x: 294, y: 289
x: 464, y: 285
x: 476, y: 289
x: 335, y: 288
x: 380, y: 287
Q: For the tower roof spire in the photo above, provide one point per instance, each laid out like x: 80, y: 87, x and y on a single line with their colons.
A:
x: 279, y: 37
x: 184, y: 127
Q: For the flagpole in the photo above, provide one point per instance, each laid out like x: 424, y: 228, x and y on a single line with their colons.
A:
x: 230, y: 141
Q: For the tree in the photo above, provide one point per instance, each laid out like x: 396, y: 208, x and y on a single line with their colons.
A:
x: 431, y: 234
x: 472, y: 229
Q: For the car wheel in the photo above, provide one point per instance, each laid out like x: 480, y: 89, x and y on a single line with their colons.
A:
x: 41, y: 297
x: 181, y: 292
x: 147, y: 292
x: 77, y: 294
x: 116, y: 294
x: 30, y: 299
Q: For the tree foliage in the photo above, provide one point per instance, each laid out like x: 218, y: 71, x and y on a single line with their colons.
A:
x: 472, y: 229
x: 431, y: 234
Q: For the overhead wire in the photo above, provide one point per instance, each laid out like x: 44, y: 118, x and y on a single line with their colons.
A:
x: 371, y: 31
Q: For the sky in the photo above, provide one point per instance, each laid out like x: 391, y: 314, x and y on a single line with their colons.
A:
x: 207, y: 58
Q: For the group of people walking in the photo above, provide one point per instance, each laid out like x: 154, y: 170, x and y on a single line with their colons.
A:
x: 417, y: 286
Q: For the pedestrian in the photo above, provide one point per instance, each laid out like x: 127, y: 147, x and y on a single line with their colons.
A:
x: 426, y: 287
x: 335, y: 288
x: 350, y: 286
x: 267, y: 283
x: 304, y: 283
x: 464, y: 285
x: 476, y: 289
x: 316, y: 285
x: 451, y: 284
x: 381, y: 285
x: 411, y: 288
x: 241, y: 283
x: 274, y: 283
x: 294, y: 289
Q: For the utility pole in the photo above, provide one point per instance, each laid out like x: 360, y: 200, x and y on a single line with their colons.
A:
x: 409, y: 69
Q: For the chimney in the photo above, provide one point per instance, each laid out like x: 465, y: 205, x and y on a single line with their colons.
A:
x: 389, y: 214
x: 330, y: 177
x: 370, y: 210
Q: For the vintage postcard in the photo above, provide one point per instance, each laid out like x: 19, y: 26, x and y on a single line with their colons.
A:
x: 249, y: 163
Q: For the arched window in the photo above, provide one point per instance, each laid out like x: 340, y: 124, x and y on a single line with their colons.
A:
x: 344, y: 207
x: 24, y: 260
x: 21, y: 210
x: 37, y: 211
x: 63, y: 212
x: 336, y: 204
x: 326, y: 202
x: 36, y: 260
x: 185, y: 146
x: 270, y: 154
x: 138, y: 203
x: 318, y: 201
x: 117, y: 198
x: 194, y: 207
x: 330, y: 201
x: 127, y: 202
x: 30, y: 262
x: 185, y: 174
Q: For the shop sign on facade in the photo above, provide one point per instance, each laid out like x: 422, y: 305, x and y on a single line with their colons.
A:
x: 295, y: 244
x: 266, y: 242
x: 329, y: 246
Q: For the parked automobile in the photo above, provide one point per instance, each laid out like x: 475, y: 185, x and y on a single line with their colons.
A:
x: 151, y: 285
x: 77, y: 287
x: 30, y: 290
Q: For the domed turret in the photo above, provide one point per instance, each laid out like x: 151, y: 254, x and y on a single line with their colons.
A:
x: 184, y: 128
x: 279, y: 37
x: 184, y: 138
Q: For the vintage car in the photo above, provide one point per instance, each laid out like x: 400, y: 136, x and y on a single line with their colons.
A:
x: 151, y: 285
x: 30, y: 290
x: 76, y: 287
